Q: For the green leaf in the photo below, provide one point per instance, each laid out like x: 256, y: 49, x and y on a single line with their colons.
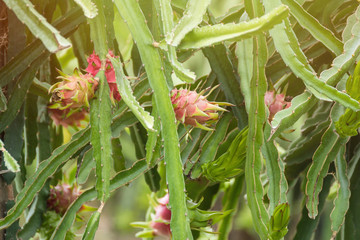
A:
x: 150, y: 56
x: 92, y: 226
x: 257, y: 118
x: 341, y: 202
x: 36, y: 50
x: 229, y: 164
x: 304, y: 147
x: 100, y: 121
x: 118, y: 157
x: 3, y: 102
x: 310, y: 23
x: 98, y: 32
x: 127, y: 96
x: 306, y: 227
x: 38, y: 25
x: 163, y: 8
x: 229, y: 82
x: 288, y: 47
x: 278, y: 185
x: 191, y: 18
x: 89, y: 8
x: 31, y: 113
x: 153, y: 143
x: 87, y: 164
x: 209, y: 35
x: 352, y: 221
x: 45, y: 169
x: 244, y: 53
x: 121, y: 179
x: 10, y: 162
x: 211, y: 145
x: 340, y: 65
x: 230, y: 202
x: 17, y: 96
x: 327, y: 151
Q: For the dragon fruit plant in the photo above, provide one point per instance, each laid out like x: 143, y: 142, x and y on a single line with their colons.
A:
x: 59, y: 200
x: 239, y: 114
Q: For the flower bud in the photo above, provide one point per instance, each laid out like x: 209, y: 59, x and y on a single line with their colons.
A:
x: 279, y: 221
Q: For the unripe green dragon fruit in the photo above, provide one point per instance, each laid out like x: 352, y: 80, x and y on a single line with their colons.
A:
x: 61, y: 197
x: 73, y: 92
x: 192, y: 108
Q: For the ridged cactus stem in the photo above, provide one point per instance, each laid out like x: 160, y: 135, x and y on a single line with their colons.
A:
x: 150, y: 56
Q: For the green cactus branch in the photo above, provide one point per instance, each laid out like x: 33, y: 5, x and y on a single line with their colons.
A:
x: 131, y: 12
x: 38, y: 25
x: 214, y: 34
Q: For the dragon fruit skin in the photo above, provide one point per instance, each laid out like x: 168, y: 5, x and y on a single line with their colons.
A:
x: 94, y: 67
x: 194, y: 109
x: 73, y: 92
x: 94, y: 64
x: 161, y: 222
x: 61, y: 197
x: 275, y: 103
x: 161, y: 229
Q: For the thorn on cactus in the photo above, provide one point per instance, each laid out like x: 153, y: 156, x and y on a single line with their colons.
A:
x: 192, y: 108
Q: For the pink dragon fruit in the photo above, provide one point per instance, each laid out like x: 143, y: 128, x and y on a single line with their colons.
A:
x: 194, y: 109
x: 275, y: 103
x: 61, y: 197
x: 161, y: 223
x: 94, y: 67
x: 68, y: 117
x: 73, y: 92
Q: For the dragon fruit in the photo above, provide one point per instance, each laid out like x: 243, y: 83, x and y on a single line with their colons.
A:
x: 161, y: 222
x: 194, y: 109
x: 73, y: 92
x: 275, y: 103
x: 68, y: 117
x: 159, y: 225
x: 94, y: 67
x: 61, y: 197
